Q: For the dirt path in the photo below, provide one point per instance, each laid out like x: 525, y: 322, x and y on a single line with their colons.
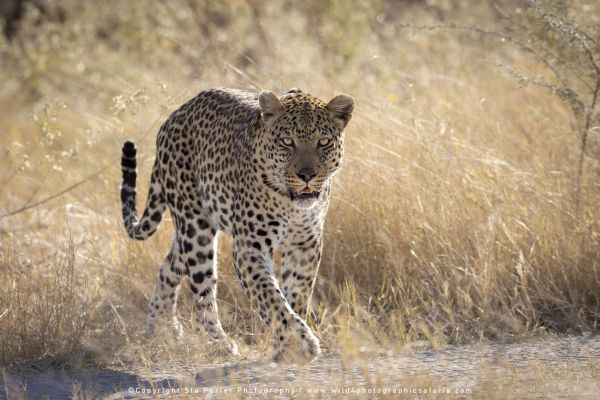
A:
x: 552, y: 368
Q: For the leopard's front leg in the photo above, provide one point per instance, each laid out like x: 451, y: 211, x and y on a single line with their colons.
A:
x: 254, y: 266
x: 300, y: 258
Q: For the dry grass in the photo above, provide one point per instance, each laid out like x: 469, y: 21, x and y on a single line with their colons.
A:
x: 44, y: 311
x: 453, y: 219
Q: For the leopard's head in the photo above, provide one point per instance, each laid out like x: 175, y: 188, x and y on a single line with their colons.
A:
x: 301, y: 143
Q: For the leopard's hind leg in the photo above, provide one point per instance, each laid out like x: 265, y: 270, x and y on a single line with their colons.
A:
x: 199, y: 244
x: 164, y: 300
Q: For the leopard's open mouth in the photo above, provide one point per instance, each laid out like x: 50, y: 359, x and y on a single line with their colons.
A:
x: 304, y: 194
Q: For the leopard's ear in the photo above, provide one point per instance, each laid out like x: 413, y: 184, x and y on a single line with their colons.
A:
x: 270, y: 105
x: 341, y: 107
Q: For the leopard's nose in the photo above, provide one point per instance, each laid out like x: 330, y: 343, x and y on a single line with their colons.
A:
x: 306, y: 174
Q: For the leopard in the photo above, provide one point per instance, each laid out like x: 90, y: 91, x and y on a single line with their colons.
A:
x: 259, y: 168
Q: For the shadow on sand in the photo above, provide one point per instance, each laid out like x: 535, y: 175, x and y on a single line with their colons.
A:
x: 111, y: 384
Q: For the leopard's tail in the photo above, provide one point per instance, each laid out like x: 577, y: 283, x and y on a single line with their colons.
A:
x: 155, y: 204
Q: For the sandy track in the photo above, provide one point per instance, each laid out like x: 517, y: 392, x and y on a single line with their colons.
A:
x: 557, y: 368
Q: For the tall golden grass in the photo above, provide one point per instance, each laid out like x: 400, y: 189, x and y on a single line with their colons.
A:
x: 454, y: 217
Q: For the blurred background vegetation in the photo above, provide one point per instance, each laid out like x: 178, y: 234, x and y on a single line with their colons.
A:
x: 466, y: 209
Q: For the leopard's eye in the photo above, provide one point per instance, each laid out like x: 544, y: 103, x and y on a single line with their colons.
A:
x: 324, y: 142
x: 287, y: 141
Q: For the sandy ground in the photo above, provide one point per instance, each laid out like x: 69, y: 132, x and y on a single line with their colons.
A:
x: 551, y: 368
